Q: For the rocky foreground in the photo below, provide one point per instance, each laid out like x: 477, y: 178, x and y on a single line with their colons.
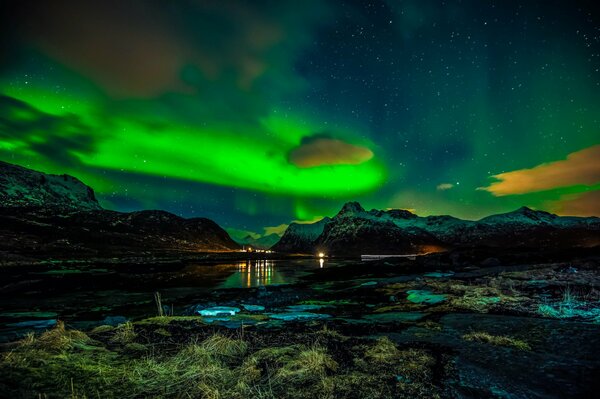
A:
x: 459, y: 325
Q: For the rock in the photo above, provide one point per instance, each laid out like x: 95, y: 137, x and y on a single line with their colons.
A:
x: 490, y: 262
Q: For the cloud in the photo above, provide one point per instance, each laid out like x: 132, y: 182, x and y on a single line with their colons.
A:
x: 584, y: 204
x: 581, y: 167
x: 140, y: 48
x: 444, y: 186
x: 319, y: 150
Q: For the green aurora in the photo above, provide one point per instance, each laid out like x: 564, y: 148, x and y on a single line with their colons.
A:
x: 407, y: 104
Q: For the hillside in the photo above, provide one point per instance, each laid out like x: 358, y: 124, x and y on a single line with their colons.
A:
x: 357, y: 231
x: 46, y: 216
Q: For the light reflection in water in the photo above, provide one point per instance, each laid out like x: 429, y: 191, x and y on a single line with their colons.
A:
x: 255, y: 273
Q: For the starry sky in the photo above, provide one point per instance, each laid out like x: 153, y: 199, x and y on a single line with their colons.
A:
x: 256, y: 114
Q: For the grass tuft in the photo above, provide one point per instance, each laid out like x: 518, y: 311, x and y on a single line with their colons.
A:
x: 124, y: 334
x: 499, y: 340
x: 222, y: 346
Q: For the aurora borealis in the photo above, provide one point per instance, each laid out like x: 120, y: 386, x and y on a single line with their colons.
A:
x: 258, y: 113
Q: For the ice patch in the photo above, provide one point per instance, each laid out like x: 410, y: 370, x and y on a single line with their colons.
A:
x: 218, y: 311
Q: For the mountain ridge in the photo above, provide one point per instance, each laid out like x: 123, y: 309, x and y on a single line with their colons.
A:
x: 354, y: 230
x: 54, y: 216
x: 23, y: 187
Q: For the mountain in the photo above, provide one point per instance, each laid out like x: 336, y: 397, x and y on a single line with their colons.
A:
x: 22, y: 187
x: 357, y: 231
x: 301, y: 237
x: 264, y: 242
x: 48, y: 216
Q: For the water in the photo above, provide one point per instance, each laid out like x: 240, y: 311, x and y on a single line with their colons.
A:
x: 84, y: 296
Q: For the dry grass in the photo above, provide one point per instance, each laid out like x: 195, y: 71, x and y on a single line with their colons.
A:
x: 66, y: 363
x: 225, y: 347
x: 58, y: 339
x: 307, y: 364
x: 383, y: 351
x: 124, y: 334
x: 500, y: 340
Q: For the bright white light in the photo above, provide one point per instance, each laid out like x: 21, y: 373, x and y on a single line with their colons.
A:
x: 321, y: 255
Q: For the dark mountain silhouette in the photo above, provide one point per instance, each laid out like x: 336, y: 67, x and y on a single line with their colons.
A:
x: 46, y: 216
x: 357, y: 231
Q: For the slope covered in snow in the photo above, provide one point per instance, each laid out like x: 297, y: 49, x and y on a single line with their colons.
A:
x: 301, y: 237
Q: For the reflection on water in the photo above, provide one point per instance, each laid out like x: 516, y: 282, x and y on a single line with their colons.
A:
x: 255, y: 273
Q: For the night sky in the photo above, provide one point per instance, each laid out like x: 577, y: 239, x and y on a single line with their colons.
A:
x: 255, y: 114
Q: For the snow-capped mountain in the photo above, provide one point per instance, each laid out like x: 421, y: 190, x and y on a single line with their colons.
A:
x: 301, y: 237
x: 354, y: 230
x: 54, y: 216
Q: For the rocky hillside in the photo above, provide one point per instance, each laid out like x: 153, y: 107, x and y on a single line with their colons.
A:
x: 46, y: 216
x: 301, y: 238
x: 357, y: 231
x: 22, y: 187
